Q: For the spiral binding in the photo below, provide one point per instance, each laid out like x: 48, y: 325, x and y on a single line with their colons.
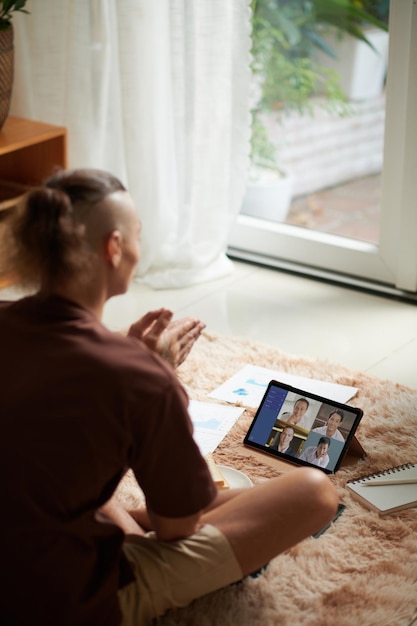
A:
x: 388, y: 472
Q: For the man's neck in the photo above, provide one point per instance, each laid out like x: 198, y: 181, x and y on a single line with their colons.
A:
x: 90, y: 297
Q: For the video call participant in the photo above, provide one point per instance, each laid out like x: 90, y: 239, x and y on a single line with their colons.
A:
x: 331, y: 428
x: 298, y: 417
x: 283, y: 440
x: 317, y: 454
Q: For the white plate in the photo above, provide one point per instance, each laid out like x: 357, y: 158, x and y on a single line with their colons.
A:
x: 235, y: 478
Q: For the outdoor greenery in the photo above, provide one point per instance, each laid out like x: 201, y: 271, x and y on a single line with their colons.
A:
x: 376, y: 8
x: 7, y: 8
x: 285, y: 38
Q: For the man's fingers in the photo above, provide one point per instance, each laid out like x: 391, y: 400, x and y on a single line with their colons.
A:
x: 161, y: 323
x: 149, y: 320
x: 172, y: 339
x: 185, y: 326
x: 179, y: 338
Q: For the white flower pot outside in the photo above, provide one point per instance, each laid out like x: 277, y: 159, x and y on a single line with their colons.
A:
x: 268, y: 198
x: 362, y: 70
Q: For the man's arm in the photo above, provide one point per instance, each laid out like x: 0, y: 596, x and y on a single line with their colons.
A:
x: 138, y: 521
x: 114, y: 513
x: 173, y: 528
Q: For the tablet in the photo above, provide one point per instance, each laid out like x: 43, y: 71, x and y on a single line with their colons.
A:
x: 302, y: 427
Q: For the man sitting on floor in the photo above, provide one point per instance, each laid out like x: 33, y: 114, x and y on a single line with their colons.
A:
x: 80, y: 405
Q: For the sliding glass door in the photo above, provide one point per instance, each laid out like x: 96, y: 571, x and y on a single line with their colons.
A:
x: 385, y: 255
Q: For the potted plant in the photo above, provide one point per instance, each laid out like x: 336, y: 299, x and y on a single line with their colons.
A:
x: 285, y: 78
x: 269, y: 188
x: 7, y: 8
x: 287, y: 73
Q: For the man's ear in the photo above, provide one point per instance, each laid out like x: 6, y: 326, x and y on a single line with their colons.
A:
x: 114, y: 248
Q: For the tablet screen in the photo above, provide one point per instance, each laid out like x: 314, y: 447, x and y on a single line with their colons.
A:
x: 303, y: 428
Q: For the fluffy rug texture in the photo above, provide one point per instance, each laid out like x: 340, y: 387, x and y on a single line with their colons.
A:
x: 363, y: 570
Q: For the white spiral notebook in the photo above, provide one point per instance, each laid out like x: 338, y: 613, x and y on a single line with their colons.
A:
x: 390, y: 491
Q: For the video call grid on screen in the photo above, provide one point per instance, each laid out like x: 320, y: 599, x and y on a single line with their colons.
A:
x: 303, y: 422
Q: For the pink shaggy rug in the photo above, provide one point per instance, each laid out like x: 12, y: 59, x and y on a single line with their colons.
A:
x: 363, y: 570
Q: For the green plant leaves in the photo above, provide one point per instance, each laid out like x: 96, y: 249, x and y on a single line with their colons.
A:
x: 286, y: 35
x: 7, y: 8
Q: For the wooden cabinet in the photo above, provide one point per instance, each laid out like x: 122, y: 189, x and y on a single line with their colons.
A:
x: 29, y: 152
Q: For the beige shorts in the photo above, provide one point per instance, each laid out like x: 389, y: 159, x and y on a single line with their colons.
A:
x: 172, y: 574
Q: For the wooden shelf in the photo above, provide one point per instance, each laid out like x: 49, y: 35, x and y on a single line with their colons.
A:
x: 30, y: 152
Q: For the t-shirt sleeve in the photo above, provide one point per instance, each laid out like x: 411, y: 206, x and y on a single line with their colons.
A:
x: 165, y: 458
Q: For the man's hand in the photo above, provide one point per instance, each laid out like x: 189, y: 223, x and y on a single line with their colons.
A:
x: 172, y: 340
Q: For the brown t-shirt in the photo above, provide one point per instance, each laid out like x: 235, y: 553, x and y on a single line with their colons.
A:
x: 78, y: 406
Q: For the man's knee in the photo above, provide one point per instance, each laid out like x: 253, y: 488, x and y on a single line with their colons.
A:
x: 319, y: 494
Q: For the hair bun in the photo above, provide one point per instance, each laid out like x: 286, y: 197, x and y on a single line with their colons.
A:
x: 44, y: 205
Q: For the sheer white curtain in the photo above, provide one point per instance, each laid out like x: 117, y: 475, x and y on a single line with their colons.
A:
x: 156, y: 91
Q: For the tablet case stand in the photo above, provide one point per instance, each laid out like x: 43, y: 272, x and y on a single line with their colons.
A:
x: 353, y: 453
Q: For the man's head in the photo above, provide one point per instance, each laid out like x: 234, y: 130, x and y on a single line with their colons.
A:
x: 322, y: 447
x: 62, y: 230
x: 334, y: 421
x: 286, y: 437
x: 299, y: 410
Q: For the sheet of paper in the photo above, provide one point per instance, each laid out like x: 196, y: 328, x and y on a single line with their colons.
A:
x: 211, y: 423
x: 249, y: 384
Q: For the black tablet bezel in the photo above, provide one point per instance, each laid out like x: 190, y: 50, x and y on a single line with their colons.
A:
x: 358, y: 413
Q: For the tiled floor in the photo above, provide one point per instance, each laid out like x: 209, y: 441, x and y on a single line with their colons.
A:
x: 298, y: 315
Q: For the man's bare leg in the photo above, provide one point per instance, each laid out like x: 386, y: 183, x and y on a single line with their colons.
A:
x: 266, y: 520
x: 259, y: 522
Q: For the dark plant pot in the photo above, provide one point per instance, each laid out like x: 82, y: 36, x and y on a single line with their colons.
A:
x: 6, y: 72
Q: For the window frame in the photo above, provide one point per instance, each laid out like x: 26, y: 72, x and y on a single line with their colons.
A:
x: 393, y: 262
